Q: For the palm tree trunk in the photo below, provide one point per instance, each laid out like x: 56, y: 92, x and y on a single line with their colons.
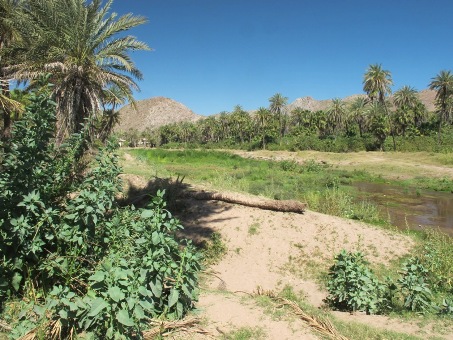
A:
x: 6, y: 133
x: 391, y: 126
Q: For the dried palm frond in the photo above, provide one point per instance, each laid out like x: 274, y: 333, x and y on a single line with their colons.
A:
x: 5, y: 326
x: 165, y: 328
x: 322, y: 326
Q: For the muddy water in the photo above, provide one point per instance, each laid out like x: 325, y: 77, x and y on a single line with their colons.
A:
x: 409, y: 208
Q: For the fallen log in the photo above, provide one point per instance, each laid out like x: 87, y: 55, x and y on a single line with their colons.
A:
x: 249, y: 201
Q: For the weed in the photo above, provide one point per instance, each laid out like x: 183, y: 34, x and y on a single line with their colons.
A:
x: 214, y: 249
x: 245, y: 333
x: 254, y: 229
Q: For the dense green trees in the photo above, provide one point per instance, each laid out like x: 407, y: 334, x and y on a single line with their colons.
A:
x: 367, y: 120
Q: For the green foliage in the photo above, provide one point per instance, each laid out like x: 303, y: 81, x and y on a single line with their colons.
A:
x: 414, y: 287
x: 214, y: 249
x: 352, y: 285
x: 437, y: 257
x: 446, y: 308
x: 80, y: 260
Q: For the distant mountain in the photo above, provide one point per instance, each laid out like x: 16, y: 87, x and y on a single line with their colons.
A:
x: 153, y: 113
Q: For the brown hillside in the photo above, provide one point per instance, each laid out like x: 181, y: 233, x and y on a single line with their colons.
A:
x: 153, y: 113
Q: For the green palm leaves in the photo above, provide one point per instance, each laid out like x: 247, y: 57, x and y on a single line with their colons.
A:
x: 85, y: 49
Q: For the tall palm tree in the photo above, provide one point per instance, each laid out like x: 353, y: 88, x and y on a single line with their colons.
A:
x: 443, y: 84
x: 264, y: 121
x: 377, y: 84
x: 9, y: 17
x: 405, y: 97
x: 79, y: 44
x: 357, y: 113
x: 336, y: 115
x: 277, y: 107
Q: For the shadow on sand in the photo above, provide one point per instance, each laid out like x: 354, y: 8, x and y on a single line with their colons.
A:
x: 192, y: 213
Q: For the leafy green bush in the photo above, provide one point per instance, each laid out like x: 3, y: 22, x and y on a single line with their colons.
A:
x: 352, y: 286
x: 437, y: 257
x: 71, y: 260
x: 414, y: 287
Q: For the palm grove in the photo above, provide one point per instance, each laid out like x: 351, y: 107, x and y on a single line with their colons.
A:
x: 73, y: 261
x: 375, y: 121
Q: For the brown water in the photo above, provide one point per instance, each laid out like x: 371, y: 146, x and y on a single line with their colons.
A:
x: 407, y: 208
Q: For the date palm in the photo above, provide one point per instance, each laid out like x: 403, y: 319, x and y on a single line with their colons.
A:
x: 377, y: 84
x: 405, y: 101
x: 80, y: 44
x: 9, y: 18
x: 405, y: 97
x: 443, y: 85
x: 336, y: 115
x: 357, y: 113
x: 277, y: 107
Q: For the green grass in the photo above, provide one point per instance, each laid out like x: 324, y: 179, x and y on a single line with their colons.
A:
x: 245, y: 333
x: 323, y: 187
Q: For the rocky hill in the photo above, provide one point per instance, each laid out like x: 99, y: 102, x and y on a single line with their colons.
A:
x: 153, y: 113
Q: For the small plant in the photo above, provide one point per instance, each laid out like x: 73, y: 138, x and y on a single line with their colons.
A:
x: 446, y: 308
x: 414, y: 287
x: 353, y: 287
x: 214, y: 249
x: 254, y: 229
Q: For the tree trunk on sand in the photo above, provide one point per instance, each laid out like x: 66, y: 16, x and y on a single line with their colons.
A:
x: 255, y: 202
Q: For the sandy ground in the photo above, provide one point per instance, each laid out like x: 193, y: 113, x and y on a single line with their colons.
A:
x: 273, y: 250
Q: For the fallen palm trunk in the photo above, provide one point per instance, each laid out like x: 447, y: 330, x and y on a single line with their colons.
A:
x: 249, y: 201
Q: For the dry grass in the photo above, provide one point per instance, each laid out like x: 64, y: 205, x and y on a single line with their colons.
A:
x: 323, y: 327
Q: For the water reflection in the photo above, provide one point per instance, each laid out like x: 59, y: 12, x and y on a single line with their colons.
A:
x: 409, y: 208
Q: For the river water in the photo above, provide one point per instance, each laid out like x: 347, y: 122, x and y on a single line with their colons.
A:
x: 408, y: 208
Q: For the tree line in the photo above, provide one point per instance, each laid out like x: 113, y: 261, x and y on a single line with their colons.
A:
x: 375, y: 116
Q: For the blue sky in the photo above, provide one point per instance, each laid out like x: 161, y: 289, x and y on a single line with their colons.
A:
x: 211, y: 55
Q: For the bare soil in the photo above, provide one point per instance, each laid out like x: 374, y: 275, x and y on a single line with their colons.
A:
x: 273, y: 250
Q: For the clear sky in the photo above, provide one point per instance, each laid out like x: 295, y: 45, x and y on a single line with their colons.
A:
x: 211, y: 55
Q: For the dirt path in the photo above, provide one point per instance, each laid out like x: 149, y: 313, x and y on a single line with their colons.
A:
x: 272, y: 250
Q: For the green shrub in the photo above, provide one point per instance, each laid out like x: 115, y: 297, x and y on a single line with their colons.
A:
x: 352, y: 286
x: 414, y: 287
x: 437, y: 257
x: 71, y: 260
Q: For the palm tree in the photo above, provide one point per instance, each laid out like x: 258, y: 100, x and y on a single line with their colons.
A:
x: 443, y: 84
x: 357, y: 112
x: 405, y: 97
x: 336, y: 115
x: 264, y: 122
x: 9, y: 17
x: 79, y: 44
x: 277, y: 107
x: 377, y: 84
